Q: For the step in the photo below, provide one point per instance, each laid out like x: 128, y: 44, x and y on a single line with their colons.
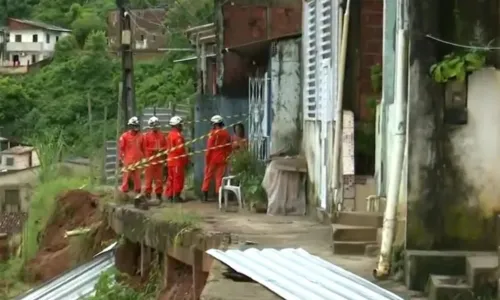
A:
x: 351, y: 248
x: 443, y: 287
x: 481, y: 272
x: 343, y: 233
x: 355, y: 218
x: 372, y: 250
x: 420, y: 264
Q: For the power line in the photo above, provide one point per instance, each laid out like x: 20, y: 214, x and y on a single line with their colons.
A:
x: 484, y: 48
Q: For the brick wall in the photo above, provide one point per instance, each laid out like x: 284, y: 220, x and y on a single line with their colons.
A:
x: 370, y: 49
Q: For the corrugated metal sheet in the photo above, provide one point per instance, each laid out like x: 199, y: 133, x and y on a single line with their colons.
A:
x: 76, y: 283
x: 294, y: 274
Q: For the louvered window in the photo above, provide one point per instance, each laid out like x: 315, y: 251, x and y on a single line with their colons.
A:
x: 320, y: 40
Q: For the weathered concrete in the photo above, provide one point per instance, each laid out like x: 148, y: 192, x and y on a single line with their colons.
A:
x: 229, y: 230
x: 419, y: 265
x: 155, y: 230
x: 442, y: 287
x: 482, y: 272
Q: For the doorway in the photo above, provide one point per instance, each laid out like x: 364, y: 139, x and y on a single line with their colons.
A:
x: 15, y: 60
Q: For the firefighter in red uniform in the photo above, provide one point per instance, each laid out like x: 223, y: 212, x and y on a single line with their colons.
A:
x: 216, y: 156
x: 130, y: 151
x: 154, y: 142
x: 176, y: 161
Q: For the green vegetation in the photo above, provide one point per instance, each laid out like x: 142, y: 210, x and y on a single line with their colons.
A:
x: 457, y: 65
x: 84, y: 74
x: 250, y: 174
x: 112, y: 285
x: 10, y: 283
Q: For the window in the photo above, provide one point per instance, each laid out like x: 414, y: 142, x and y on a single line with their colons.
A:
x: 12, y: 201
x: 18, y: 38
x: 142, y: 38
x: 154, y: 37
x: 35, y: 38
x: 33, y: 58
x: 57, y: 39
x: 9, y: 161
x: 47, y: 38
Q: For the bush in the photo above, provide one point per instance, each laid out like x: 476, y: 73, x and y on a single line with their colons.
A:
x: 250, y: 172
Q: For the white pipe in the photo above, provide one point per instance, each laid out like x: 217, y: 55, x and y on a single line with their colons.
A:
x: 338, y: 112
x: 396, y: 165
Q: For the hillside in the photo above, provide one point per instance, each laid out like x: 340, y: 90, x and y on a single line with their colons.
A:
x: 83, y: 74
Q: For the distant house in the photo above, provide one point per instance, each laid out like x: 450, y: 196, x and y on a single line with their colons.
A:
x: 29, y: 42
x: 148, y: 31
x: 19, y: 158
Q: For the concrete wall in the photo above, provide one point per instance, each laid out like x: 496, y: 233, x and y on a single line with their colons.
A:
x: 286, y: 99
x: 451, y: 167
x: 21, y: 161
x: 477, y: 145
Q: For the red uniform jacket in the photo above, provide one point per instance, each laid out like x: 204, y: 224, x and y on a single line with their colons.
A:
x: 174, y: 142
x: 130, y: 147
x: 154, y: 142
x: 219, y: 155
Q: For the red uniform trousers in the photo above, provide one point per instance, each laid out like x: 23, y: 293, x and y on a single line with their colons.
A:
x: 175, y: 181
x: 136, y: 178
x: 154, y: 174
x: 215, y: 171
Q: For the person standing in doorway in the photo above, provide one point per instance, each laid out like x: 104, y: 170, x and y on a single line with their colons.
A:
x: 131, y: 152
x: 154, y: 142
x: 218, y: 151
x: 176, y: 161
x: 239, y: 140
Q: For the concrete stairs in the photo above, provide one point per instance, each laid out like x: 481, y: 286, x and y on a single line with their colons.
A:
x: 356, y: 233
x: 480, y: 280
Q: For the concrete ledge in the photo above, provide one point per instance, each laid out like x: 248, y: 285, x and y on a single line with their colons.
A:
x: 420, y: 264
x: 443, y: 287
x: 138, y: 226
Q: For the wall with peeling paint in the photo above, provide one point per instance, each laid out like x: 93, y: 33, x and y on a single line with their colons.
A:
x: 452, y: 168
x: 476, y: 145
x: 286, y: 99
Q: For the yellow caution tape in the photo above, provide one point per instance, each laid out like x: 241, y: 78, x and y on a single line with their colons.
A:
x: 160, y: 154
x: 145, y: 165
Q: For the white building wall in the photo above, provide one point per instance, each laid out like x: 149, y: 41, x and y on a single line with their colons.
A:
x: 26, y: 47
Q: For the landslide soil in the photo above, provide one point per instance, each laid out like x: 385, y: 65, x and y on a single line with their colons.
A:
x: 74, y: 209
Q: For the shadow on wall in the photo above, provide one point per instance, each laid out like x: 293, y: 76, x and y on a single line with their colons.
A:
x: 455, y: 199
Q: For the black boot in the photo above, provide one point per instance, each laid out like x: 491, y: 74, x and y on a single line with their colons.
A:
x: 178, y: 199
x: 205, y: 196
x: 158, y: 197
x: 147, y: 196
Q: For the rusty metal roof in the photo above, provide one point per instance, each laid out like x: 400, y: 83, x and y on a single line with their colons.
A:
x: 294, y: 274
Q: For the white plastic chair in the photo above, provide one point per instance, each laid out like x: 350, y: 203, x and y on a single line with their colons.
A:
x: 227, y: 185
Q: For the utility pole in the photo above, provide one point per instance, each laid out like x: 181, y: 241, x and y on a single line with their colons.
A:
x: 125, y: 39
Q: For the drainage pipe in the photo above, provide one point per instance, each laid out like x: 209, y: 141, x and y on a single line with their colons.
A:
x: 396, y: 165
x: 337, y: 147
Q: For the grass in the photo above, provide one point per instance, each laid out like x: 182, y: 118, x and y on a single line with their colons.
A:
x: 10, y: 283
x: 42, y: 205
x: 182, y: 217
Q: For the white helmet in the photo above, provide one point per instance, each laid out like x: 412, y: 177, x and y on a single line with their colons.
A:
x: 134, y: 121
x: 175, y: 120
x: 216, y: 119
x: 154, y: 122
